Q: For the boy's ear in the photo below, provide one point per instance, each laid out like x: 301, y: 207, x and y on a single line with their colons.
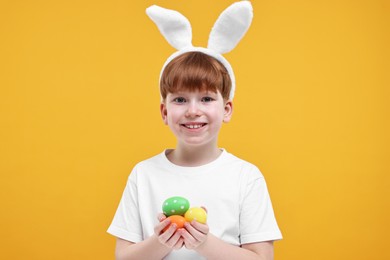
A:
x: 163, y: 111
x: 228, y: 111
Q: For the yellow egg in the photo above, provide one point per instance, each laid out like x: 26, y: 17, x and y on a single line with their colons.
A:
x: 197, y: 214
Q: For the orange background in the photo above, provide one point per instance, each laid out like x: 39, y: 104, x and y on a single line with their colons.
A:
x: 79, y: 107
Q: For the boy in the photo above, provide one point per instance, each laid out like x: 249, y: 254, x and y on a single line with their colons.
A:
x: 196, y: 89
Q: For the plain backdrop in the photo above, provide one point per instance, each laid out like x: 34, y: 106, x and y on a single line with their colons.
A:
x: 79, y: 106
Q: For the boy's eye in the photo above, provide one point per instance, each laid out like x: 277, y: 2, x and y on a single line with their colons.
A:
x: 179, y: 100
x: 207, y: 99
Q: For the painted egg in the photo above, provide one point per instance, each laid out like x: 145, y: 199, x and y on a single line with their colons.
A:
x: 175, y: 206
x: 198, y: 214
x: 178, y: 220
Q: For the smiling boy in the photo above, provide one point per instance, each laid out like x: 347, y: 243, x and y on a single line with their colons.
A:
x: 197, y: 88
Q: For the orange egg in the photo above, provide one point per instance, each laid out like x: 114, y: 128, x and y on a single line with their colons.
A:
x: 178, y: 220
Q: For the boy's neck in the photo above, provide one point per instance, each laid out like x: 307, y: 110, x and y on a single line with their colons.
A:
x: 193, y: 156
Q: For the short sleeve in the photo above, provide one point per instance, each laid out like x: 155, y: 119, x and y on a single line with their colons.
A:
x: 257, y: 219
x: 126, y: 223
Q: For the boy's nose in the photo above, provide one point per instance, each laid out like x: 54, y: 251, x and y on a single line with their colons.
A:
x: 193, y: 110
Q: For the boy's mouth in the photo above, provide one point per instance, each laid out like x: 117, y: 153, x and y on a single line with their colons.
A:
x: 194, y: 126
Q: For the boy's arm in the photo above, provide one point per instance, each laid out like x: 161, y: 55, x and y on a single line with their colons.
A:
x: 154, y: 247
x: 197, y: 237
x: 147, y: 249
x: 214, y: 248
x: 264, y: 249
x: 129, y: 250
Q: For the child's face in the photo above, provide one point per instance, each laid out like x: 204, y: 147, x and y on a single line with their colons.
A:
x: 195, y: 118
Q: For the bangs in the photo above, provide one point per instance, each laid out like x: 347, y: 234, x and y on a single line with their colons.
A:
x: 195, y: 71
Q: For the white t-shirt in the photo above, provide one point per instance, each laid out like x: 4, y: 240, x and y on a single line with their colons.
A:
x: 233, y: 191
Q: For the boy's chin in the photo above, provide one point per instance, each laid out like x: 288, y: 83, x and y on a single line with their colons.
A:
x: 197, y: 143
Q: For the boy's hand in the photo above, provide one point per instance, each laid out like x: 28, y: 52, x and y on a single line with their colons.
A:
x: 194, y: 234
x: 170, y: 238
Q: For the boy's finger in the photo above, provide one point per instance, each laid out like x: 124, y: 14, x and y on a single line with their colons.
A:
x: 188, y: 238
x: 161, y: 217
x: 203, y: 228
x: 191, y: 229
x: 196, y: 229
x: 162, y: 225
x: 174, y: 238
x: 167, y: 234
x: 179, y: 243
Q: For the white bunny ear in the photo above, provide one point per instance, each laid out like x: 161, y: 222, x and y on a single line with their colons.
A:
x: 173, y: 26
x: 230, y: 27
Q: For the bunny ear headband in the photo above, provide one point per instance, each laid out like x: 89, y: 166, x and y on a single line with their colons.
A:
x: 227, y: 32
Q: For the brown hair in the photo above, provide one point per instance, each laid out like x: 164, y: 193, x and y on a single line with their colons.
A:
x: 195, y: 71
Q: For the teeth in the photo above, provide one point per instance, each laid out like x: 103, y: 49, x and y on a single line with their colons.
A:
x: 193, y: 126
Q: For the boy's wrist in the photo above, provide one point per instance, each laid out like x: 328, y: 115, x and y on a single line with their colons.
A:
x: 202, y: 248
x: 161, y: 247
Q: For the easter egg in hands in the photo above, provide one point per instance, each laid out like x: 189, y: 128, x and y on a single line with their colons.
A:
x: 198, y: 214
x: 178, y: 220
x: 175, y: 206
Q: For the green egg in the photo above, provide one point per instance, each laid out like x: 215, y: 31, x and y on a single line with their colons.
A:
x: 175, y: 206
